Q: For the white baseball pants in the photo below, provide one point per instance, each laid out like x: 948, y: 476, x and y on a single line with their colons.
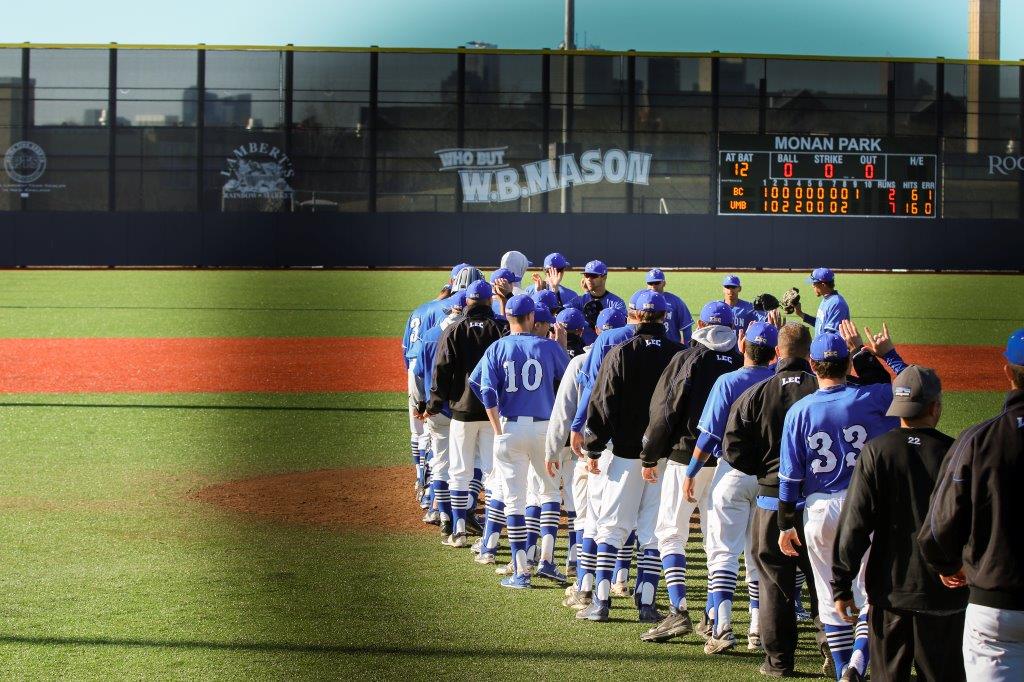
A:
x: 628, y: 502
x: 821, y: 523
x: 591, y: 503
x: 438, y: 427
x: 674, y: 512
x: 993, y: 644
x: 733, y: 499
x: 470, y: 446
x: 518, y: 451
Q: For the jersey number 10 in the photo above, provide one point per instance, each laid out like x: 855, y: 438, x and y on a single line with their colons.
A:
x: 531, y: 375
x: 821, y: 443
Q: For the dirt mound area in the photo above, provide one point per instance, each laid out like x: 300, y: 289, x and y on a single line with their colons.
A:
x: 378, y: 499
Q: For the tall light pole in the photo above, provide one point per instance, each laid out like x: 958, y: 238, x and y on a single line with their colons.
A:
x: 568, y: 43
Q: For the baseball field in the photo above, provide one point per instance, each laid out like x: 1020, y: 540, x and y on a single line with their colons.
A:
x: 206, y: 476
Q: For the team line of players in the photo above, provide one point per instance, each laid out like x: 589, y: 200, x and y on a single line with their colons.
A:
x: 628, y: 418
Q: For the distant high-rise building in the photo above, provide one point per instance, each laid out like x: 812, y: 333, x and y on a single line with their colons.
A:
x: 231, y: 111
x: 982, y: 84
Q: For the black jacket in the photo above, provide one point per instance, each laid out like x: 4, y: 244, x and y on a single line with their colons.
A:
x: 619, y: 403
x: 753, y: 433
x: 888, y: 496
x: 679, y: 399
x: 974, y: 518
x: 459, y: 349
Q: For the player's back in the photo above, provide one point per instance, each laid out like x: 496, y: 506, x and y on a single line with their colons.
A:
x: 827, y: 430
x: 532, y: 367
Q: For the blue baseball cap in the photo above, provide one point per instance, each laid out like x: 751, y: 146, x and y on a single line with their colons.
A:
x: 652, y: 301
x: 717, y: 312
x: 634, y: 297
x: 763, y: 334
x: 520, y: 304
x: 541, y: 313
x: 545, y: 297
x: 478, y: 290
x: 655, y: 275
x: 611, y: 318
x: 731, y: 281
x: 573, y: 319
x: 1015, y: 348
x: 555, y: 260
x: 821, y: 275
x: 505, y: 273
x: 459, y: 267
x: 829, y: 346
x: 456, y: 300
x: 595, y: 267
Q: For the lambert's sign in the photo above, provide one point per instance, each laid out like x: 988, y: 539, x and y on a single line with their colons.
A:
x: 487, y: 177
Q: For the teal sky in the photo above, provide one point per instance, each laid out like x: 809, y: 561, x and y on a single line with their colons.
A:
x: 911, y: 28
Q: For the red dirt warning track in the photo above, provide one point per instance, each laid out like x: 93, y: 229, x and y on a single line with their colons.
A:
x: 294, y: 365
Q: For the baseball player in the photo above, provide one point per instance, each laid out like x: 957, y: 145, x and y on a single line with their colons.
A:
x: 544, y: 320
x: 619, y: 412
x: 675, y: 410
x: 743, y: 311
x: 913, y: 617
x: 504, y: 283
x: 437, y: 425
x: 833, y: 308
x: 571, y: 471
x: 517, y: 263
x: 555, y: 266
x: 595, y: 297
x: 573, y: 322
x: 678, y: 320
x: 973, y: 534
x: 822, y: 436
x: 516, y: 380
x: 733, y: 493
x: 470, y: 453
x: 586, y: 488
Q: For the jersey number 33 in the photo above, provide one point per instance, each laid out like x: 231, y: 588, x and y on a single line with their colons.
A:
x: 821, y: 443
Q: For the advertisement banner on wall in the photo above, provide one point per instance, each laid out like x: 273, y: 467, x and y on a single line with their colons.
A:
x: 258, y: 174
x: 25, y: 166
x: 487, y: 177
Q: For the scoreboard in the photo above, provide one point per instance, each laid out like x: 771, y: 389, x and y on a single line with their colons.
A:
x: 826, y: 175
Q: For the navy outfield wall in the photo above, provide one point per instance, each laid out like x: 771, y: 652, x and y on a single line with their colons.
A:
x: 438, y: 240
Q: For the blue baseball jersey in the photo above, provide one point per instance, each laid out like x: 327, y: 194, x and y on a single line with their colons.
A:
x: 743, y: 311
x: 592, y: 365
x: 724, y: 393
x: 823, y: 434
x: 565, y: 296
x: 518, y: 375
x: 591, y: 307
x: 831, y: 312
x: 678, y: 321
x: 424, y: 365
x: 422, y: 319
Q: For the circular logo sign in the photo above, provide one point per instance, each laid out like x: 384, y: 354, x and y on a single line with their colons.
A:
x: 25, y: 162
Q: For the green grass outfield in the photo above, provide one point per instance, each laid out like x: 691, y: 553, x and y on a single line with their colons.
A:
x: 110, y: 570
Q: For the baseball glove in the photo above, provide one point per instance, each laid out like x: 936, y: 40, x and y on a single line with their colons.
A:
x: 766, y: 303
x: 790, y: 299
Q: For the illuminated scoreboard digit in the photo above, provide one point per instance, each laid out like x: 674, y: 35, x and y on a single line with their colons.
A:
x: 825, y: 175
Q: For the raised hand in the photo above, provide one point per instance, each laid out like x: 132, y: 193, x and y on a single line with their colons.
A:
x: 848, y: 330
x: 878, y: 344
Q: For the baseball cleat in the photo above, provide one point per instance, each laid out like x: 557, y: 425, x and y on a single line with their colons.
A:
x: 706, y: 627
x: 571, y: 590
x: 516, y: 582
x: 432, y: 518
x: 457, y: 540
x: 596, y: 612
x: 547, y: 570
x: 676, y: 624
x: 484, y: 559
x: 477, y: 546
x: 473, y: 526
x: 578, y: 600
x: 754, y: 641
x: 570, y: 568
x: 507, y: 569
x: 851, y: 675
x: 446, y: 528
x: 621, y: 590
x: 828, y: 665
x: 649, y: 614
x: 724, y: 642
